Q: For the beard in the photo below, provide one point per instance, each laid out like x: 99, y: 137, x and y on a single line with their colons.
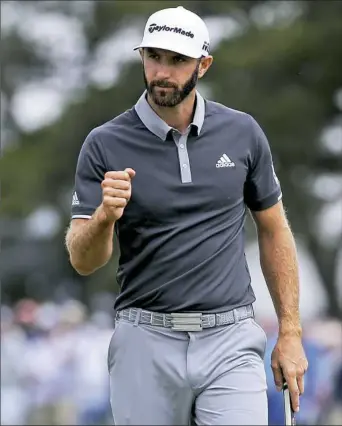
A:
x: 173, y: 97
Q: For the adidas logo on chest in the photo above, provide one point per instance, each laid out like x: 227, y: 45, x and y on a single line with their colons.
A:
x: 224, y: 161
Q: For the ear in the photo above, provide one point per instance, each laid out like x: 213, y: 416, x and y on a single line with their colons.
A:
x: 205, y: 64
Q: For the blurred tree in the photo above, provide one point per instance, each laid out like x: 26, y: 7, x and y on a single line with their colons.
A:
x: 283, y: 66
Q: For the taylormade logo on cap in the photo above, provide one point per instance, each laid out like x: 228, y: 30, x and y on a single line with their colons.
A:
x: 205, y: 46
x: 155, y: 27
x: 178, y: 30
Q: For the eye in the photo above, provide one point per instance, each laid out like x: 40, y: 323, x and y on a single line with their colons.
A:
x: 179, y: 59
x: 153, y: 56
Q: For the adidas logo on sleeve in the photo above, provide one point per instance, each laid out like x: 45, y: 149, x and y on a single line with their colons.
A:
x: 75, y: 201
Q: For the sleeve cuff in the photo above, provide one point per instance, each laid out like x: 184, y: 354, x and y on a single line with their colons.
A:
x: 80, y: 216
x: 267, y: 202
x: 85, y: 213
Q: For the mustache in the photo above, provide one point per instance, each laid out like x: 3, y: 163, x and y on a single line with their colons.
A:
x: 162, y: 83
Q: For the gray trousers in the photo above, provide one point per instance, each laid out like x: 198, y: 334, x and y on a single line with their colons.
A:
x: 215, y: 376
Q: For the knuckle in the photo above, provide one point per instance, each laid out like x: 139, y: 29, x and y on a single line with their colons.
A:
x: 106, y: 200
x: 300, y: 371
x: 291, y: 369
x: 110, y: 175
x: 107, y: 193
x: 117, y: 185
x: 120, y: 194
x: 107, y: 183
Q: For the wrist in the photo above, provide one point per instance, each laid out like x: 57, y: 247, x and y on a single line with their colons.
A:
x: 101, y: 217
x: 286, y: 330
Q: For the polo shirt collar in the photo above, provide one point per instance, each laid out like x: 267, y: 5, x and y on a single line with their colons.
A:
x: 158, y: 126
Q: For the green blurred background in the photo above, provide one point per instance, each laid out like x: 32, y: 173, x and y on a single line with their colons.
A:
x: 67, y: 67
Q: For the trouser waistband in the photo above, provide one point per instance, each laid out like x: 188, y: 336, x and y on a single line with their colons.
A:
x: 182, y: 321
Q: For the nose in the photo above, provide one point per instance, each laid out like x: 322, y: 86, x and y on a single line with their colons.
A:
x: 163, y: 72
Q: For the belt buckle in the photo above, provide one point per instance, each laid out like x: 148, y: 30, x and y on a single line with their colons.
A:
x: 186, y: 321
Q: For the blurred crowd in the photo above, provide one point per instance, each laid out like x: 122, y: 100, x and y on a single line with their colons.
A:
x: 54, y: 364
x: 54, y: 367
x: 321, y: 403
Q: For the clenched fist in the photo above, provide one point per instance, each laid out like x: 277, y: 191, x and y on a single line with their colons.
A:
x: 116, y: 192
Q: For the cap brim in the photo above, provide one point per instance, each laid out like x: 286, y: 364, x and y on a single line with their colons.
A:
x: 167, y: 45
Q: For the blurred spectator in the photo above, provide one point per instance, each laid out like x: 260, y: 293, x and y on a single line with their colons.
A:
x: 322, y: 344
x: 334, y: 410
x: 53, y: 364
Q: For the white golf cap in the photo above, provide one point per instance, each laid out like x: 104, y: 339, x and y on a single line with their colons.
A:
x: 178, y: 30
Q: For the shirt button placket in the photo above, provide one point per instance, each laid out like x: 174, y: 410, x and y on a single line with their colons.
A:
x: 184, y: 160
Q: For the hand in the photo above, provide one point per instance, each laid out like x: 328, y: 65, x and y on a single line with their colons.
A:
x: 289, y: 364
x: 116, y: 192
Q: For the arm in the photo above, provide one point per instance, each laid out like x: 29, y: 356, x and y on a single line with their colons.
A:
x: 278, y: 260
x: 90, y: 242
x: 279, y: 264
x: 100, y: 197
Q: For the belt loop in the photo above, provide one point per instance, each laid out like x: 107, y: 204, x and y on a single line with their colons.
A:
x: 236, y: 316
x: 137, y: 318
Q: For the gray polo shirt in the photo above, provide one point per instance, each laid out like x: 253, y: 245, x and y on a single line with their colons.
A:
x: 182, y: 233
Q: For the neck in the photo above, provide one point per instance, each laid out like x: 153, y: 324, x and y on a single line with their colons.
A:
x: 178, y: 117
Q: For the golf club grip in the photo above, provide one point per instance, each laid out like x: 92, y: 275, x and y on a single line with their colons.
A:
x: 290, y: 419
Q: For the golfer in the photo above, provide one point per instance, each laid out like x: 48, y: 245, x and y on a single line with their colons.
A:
x: 174, y: 178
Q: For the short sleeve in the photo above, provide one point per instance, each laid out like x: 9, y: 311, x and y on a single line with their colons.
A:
x: 90, y: 171
x: 262, y: 187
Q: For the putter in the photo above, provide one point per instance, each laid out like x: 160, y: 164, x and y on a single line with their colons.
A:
x: 290, y: 419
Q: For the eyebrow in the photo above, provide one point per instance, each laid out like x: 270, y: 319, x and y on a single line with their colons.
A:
x: 150, y: 50
x: 175, y: 55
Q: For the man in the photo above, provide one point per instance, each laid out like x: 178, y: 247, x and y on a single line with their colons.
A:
x: 173, y: 177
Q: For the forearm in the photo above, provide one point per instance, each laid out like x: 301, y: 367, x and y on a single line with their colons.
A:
x: 90, y: 246
x: 278, y: 259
